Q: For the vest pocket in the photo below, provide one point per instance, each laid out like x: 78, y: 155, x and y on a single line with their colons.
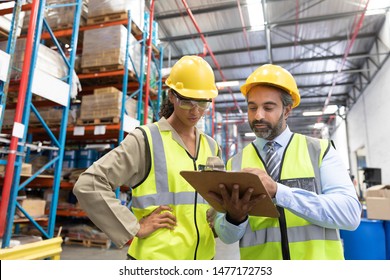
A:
x: 308, y: 184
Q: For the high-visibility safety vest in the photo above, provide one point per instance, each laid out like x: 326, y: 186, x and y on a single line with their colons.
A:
x: 263, y: 238
x: 192, y: 238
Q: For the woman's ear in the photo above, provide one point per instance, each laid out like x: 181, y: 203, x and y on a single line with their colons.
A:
x: 171, y: 97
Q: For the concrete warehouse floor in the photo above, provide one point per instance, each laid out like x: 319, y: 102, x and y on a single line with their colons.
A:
x: 79, y: 252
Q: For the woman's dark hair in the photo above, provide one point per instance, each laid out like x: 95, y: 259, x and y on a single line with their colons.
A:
x: 166, y: 108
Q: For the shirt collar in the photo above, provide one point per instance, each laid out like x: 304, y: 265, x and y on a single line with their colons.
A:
x: 282, y: 139
x: 164, y: 125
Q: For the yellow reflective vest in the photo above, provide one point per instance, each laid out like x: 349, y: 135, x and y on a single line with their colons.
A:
x: 192, y: 238
x: 306, y: 241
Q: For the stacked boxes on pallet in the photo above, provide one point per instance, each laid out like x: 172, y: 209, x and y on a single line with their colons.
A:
x: 102, y: 8
x: 59, y: 14
x: 48, y: 61
x: 103, y: 105
x: 5, y: 20
x: 63, y: 17
x: 87, y: 236
x: 104, y: 49
x: 52, y: 117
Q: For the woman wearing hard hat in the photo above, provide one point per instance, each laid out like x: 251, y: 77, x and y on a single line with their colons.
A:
x: 168, y: 218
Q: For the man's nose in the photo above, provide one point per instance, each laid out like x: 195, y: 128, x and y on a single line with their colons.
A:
x: 259, y: 114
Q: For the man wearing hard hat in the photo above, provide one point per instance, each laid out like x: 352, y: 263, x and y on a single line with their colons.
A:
x: 304, y: 176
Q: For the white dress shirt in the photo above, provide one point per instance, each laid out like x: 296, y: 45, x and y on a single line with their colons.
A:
x: 336, y: 207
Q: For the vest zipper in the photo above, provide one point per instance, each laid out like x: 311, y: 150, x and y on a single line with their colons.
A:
x: 196, y: 226
x: 195, y: 220
x: 283, y: 233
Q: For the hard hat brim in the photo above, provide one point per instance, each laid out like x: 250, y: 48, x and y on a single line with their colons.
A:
x: 295, y: 96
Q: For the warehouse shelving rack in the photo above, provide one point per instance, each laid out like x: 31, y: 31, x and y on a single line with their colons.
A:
x: 112, y: 130
x: 16, y: 153
x: 135, y: 83
x: 141, y: 91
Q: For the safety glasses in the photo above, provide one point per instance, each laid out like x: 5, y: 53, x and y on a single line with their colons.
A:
x: 188, y: 104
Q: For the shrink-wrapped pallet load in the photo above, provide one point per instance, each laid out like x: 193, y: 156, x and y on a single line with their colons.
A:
x: 104, y: 10
x: 49, y: 61
x: 60, y: 15
x: 104, y: 49
x: 103, y: 106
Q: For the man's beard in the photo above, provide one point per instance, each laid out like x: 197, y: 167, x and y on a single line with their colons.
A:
x: 270, y: 132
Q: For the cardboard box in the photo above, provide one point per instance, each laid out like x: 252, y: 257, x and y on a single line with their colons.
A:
x: 378, y: 202
x: 34, y: 207
x: 26, y: 169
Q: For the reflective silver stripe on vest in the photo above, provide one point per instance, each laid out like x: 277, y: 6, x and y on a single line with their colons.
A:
x: 314, y: 147
x: 167, y: 198
x: 212, y: 144
x: 295, y: 234
x: 160, y: 165
x: 237, y: 161
x: 163, y: 196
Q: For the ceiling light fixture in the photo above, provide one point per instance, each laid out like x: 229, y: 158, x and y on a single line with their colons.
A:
x: 227, y: 84
x: 312, y: 113
x: 255, y: 14
x: 330, y: 109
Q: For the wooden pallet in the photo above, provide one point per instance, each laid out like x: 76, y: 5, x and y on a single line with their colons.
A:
x: 35, y: 98
x: 48, y: 123
x: 98, y: 121
x: 104, y: 68
x: 60, y: 26
x: 104, y: 243
x: 76, y: 241
x: 106, y: 18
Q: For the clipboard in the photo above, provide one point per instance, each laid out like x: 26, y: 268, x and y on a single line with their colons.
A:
x: 209, y: 180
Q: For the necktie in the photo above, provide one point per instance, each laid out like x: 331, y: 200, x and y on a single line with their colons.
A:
x: 272, y: 160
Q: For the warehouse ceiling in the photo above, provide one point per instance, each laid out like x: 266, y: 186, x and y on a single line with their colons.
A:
x: 331, y: 47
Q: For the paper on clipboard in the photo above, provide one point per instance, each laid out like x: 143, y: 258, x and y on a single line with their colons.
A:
x: 206, y: 181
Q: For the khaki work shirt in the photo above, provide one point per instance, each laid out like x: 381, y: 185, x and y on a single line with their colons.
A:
x: 127, y: 165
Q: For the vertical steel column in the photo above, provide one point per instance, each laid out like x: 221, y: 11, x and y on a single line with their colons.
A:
x: 149, y: 50
x: 124, y: 87
x: 142, y: 67
x: 25, y: 118
x: 125, y: 78
x: 9, y: 172
x: 159, y: 93
x: 64, y: 121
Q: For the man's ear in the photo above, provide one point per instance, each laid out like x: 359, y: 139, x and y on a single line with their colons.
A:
x: 287, y: 111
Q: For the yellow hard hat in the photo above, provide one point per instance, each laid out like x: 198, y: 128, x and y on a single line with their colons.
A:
x: 273, y: 75
x: 192, y: 77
